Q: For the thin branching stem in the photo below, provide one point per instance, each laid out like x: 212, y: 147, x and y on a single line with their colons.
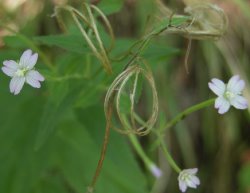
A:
x: 103, y: 152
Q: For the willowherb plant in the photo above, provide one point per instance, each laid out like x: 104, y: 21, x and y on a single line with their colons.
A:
x: 204, y: 21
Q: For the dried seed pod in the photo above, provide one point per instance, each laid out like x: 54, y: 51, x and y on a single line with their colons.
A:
x: 134, y: 124
x: 204, y: 21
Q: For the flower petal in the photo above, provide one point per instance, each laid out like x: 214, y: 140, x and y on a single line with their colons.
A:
x: 8, y: 71
x: 190, y: 183
x: 24, y: 60
x: 217, y: 86
x: 219, y: 102
x: 233, y: 81
x: 195, y: 180
x: 182, y: 186
x: 35, y: 75
x: 16, y: 84
x: 237, y: 87
x: 32, y: 61
x: 10, y: 64
x: 239, y: 102
x: 224, y: 107
x: 191, y: 170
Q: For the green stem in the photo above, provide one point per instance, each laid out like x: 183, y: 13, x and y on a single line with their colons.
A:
x: 140, y: 49
x: 168, y: 156
x: 186, y: 112
x: 139, y: 150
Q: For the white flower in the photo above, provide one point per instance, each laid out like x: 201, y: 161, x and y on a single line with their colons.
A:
x: 22, y: 72
x: 155, y: 170
x: 228, y: 94
x: 187, y: 178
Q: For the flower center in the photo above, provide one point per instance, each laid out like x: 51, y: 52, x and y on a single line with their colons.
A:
x: 185, y: 177
x: 229, y: 95
x: 21, y: 72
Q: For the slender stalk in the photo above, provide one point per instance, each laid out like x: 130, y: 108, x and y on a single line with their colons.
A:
x: 140, y: 150
x: 103, y: 152
x: 168, y: 156
x: 139, y: 51
x: 186, y: 112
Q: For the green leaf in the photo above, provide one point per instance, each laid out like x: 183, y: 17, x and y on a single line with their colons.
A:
x: 61, y: 99
x: 73, y: 43
x: 14, y: 42
x: 120, y: 169
x: 159, y: 52
x: 20, y: 166
x: 110, y: 6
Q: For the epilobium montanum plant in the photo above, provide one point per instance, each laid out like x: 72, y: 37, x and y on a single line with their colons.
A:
x: 136, y: 71
x: 23, y: 71
x: 187, y: 179
x: 228, y: 94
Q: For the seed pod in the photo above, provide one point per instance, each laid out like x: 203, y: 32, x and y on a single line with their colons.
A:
x: 135, y: 124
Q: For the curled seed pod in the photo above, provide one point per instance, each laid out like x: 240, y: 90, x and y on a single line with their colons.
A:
x: 134, y: 124
x: 206, y: 21
x: 87, y: 19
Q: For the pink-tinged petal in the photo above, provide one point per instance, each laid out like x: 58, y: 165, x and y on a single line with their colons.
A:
x: 182, y: 186
x: 11, y: 64
x: 8, y: 71
x: 16, y: 84
x: 239, y: 102
x: 24, y: 60
x: 217, y: 86
x: 191, y: 170
x: 233, y: 81
x: 33, y: 82
x: 195, y: 180
x: 224, y: 107
x: 190, y: 183
x: 35, y: 75
x: 219, y: 102
x: 237, y: 87
x: 32, y: 61
x: 155, y: 171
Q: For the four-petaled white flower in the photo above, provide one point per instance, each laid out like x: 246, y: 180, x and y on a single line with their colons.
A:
x: 22, y: 72
x: 187, y: 179
x: 228, y: 94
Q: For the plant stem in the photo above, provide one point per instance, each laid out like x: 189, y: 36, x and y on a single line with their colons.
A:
x: 103, y: 152
x: 186, y: 112
x: 140, y: 150
x: 136, y: 144
x: 168, y: 156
